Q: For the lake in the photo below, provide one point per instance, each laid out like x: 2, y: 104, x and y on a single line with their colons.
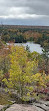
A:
x: 32, y: 46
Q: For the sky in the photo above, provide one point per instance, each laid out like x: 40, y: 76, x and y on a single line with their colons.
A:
x: 24, y: 12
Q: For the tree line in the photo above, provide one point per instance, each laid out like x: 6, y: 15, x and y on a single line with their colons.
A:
x: 19, y: 35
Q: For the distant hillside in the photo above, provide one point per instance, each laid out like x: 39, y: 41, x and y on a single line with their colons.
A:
x: 25, y: 26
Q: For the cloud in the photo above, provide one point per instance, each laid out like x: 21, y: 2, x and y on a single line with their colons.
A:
x: 24, y: 9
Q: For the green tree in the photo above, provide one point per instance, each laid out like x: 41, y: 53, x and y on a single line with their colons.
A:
x: 46, y: 56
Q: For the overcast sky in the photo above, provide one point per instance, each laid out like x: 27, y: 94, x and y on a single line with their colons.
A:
x: 24, y: 12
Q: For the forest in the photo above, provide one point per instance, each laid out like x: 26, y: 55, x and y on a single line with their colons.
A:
x: 19, y: 34
x: 22, y: 71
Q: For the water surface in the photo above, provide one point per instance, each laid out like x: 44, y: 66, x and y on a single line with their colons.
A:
x: 32, y: 46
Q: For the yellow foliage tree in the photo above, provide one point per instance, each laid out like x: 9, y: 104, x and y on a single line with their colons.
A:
x: 22, y: 76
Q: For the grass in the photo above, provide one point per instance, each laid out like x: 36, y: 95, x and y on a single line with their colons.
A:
x: 5, y: 99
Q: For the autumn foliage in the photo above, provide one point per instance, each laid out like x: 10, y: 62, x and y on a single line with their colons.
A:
x: 24, y: 75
